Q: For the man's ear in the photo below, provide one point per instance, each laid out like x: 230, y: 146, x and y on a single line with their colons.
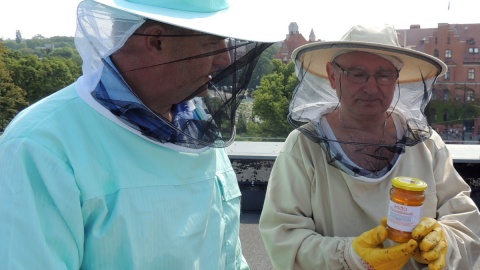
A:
x: 157, y: 44
x: 154, y: 39
x: 331, y: 74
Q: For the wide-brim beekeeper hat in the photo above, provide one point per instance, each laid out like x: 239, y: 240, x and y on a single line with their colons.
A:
x: 381, y: 40
x: 232, y: 18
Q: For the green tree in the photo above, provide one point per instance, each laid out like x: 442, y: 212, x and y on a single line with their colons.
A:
x: 12, y: 97
x: 25, y: 73
x: 12, y: 45
x: 41, y: 77
x: 64, y: 52
x: 62, y: 41
x: 26, y: 51
x: 264, y: 66
x: 36, y: 41
x: 242, y: 116
x: 26, y: 78
x: 271, y: 101
x: 57, y: 73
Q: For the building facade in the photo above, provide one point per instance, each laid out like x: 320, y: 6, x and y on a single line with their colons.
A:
x: 454, y: 108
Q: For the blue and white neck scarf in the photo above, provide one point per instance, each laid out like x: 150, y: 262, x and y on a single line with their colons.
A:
x: 188, y: 117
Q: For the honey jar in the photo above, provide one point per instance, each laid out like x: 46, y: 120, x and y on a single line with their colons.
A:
x: 405, y: 207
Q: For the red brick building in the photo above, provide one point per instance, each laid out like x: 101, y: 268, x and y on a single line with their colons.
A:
x: 293, y: 40
x: 454, y: 109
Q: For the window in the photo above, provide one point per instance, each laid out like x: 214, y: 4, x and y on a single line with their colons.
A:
x: 435, y: 52
x: 447, y: 75
x: 472, y: 50
x: 448, y: 53
x: 446, y: 95
x: 470, y: 95
x: 471, y: 74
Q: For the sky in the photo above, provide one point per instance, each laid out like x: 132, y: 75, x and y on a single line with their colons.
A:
x: 328, y: 19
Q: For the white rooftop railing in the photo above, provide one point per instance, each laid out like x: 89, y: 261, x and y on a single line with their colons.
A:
x: 461, y: 153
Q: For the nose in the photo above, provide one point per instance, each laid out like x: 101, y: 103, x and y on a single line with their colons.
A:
x: 371, y: 85
x: 371, y: 78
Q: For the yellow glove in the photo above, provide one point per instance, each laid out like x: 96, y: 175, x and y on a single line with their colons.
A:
x: 370, y: 254
x: 432, y: 244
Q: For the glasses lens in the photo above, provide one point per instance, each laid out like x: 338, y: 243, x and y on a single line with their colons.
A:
x: 386, y: 77
x: 357, y: 76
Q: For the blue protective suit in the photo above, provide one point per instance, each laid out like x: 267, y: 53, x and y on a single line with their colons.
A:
x: 79, y: 190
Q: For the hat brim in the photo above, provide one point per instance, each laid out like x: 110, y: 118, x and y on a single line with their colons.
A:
x: 315, y: 56
x: 244, y: 19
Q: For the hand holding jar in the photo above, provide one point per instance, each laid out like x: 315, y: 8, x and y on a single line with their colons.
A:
x: 432, y: 249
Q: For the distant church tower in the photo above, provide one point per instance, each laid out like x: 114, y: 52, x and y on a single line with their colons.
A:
x: 293, y: 28
x: 311, y: 37
x: 294, y: 40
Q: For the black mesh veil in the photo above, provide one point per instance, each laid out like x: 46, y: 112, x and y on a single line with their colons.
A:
x: 223, y: 99
x: 102, y: 30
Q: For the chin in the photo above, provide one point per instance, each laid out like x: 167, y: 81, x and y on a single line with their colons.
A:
x: 200, y: 92
x: 203, y: 93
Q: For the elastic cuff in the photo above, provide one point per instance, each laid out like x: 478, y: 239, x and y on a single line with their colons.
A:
x: 354, y: 261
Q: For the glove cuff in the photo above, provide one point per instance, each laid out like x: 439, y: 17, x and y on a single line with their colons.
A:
x: 354, y: 261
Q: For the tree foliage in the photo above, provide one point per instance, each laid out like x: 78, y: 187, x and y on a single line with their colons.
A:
x: 29, y: 72
x: 12, y: 97
x: 272, y: 98
x: 47, y: 47
x: 41, y: 77
x: 264, y: 66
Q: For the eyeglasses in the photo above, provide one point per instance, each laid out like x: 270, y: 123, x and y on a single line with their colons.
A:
x: 360, y: 76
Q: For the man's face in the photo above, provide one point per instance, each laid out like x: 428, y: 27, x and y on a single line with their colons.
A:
x: 358, y: 92
x: 186, y: 76
x: 164, y: 71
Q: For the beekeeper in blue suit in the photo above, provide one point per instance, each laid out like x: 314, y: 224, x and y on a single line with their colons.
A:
x: 126, y: 167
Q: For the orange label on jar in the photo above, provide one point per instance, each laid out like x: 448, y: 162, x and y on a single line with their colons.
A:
x: 403, y: 217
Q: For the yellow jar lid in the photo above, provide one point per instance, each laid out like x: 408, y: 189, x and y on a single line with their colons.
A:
x: 409, y: 183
